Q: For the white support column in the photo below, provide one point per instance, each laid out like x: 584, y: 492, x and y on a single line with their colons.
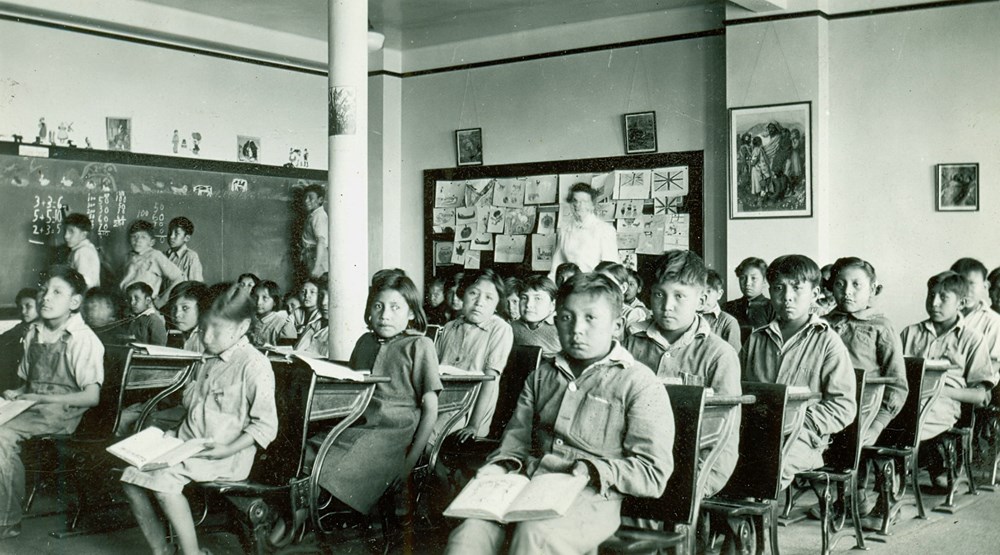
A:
x: 347, y: 193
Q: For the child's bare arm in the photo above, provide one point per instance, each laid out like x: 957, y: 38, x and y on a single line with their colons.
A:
x: 428, y: 416
x: 482, y: 406
x: 88, y: 397
x: 976, y: 395
x: 218, y: 451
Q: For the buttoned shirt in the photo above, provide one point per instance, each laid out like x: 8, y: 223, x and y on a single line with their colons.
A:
x: 315, y: 238
x: 725, y: 326
x: 85, y: 259
x: 615, y: 417
x: 987, y: 323
x: 152, y: 268
x: 541, y: 334
x: 188, y: 262
x: 814, y: 357
x: 960, y: 344
x: 84, y: 351
x: 586, y: 244
x: 635, y: 312
x: 874, y: 346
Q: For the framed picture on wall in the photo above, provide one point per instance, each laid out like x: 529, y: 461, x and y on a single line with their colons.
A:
x: 958, y: 187
x: 640, y: 132
x: 469, y: 147
x: 119, y: 132
x: 770, y: 161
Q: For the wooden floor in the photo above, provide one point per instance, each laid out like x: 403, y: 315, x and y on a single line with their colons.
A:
x: 973, y: 529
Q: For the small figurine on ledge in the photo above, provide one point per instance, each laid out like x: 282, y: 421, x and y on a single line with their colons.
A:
x: 17, y: 138
x: 86, y: 142
x: 176, y: 140
x: 43, y: 131
x: 195, y: 143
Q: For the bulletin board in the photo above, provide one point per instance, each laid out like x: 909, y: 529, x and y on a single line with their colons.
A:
x: 245, y: 215
x: 506, y: 217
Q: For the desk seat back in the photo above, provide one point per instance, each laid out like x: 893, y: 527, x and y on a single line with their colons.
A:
x: 758, y: 471
x: 679, y: 502
x: 845, y: 446
x: 99, y: 422
x: 432, y: 332
x: 523, y: 360
x: 903, y: 431
x: 294, y: 383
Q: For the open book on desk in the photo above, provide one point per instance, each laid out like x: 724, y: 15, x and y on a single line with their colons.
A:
x: 10, y: 409
x: 151, y: 449
x: 327, y: 369
x: 164, y: 351
x: 515, y: 498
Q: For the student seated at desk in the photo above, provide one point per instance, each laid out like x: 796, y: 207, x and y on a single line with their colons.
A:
x: 12, y: 340
x: 147, y: 325
x: 945, y: 335
x: 753, y: 310
x: 976, y: 311
x: 678, y: 343
x: 316, y: 337
x: 723, y: 324
x: 635, y: 310
x: 183, y: 310
x: 798, y: 348
x: 478, y: 340
x: 62, y: 371
x: 366, y: 459
x: 230, y: 401
x: 312, y: 316
x: 103, y: 310
x: 270, y: 324
x: 593, y: 411
x: 537, y: 325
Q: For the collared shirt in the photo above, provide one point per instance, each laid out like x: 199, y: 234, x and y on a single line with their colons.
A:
x: 84, y: 351
x: 189, y: 263
x: 586, y: 243
x: 615, y: 416
x: 874, y: 346
x: 149, y: 327
x: 750, y: 313
x: 272, y: 327
x: 814, y: 357
x: 315, y: 238
x: 635, y: 312
x: 725, y: 326
x: 85, y: 259
x: 987, y: 323
x: 541, y: 334
x: 960, y: 344
x: 152, y: 268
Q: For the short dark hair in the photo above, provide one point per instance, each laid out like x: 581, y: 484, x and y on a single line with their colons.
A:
x: 797, y: 267
x: 566, y: 268
x: 968, y: 265
x: 315, y: 188
x: 194, y: 290
x: 228, y: 301
x: 26, y: 293
x: 183, y: 223
x: 714, y: 281
x: 638, y: 279
x: 513, y: 286
x: 253, y: 277
x: 79, y: 221
x: 684, y: 267
x: 993, y: 276
x: 595, y: 285
x: 69, y: 275
x: 950, y: 281
x: 540, y: 283
x: 617, y: 272
x: 141, y: 226
x: 751, y: 262
x: 139, y: 286
x: 582, y: 188
x: 110, y: 295
x: 273, y: 291
x: 385, y: 273
x: 488, y: 275
x: 405, y: 287
x: 851, y: 262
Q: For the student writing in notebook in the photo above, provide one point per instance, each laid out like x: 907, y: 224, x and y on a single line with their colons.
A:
x: 230, y: 401
x: 593, y: 411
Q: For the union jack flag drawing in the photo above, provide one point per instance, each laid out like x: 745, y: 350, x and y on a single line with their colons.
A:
x: 667, y: 205
x: 670, y: 181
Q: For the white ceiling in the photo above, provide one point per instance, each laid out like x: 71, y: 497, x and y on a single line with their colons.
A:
x: 427, y: 22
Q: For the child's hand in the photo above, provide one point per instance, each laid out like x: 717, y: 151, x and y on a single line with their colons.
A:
x: 466, y: 433
x: 11, y: 394
x: 31, y: 397
x: 213, y: 452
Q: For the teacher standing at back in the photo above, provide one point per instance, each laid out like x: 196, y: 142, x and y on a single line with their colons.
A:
x: 585, y: 239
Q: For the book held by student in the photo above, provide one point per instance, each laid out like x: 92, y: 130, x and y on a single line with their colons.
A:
x: 515, y: 497
x: 10, y: 409
x: 152, y: 449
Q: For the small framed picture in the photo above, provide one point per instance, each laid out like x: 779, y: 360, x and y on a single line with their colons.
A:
x: 469, y: 146
x: 640, y: 132
x: 958, y: 187
x: 119, y: 133
x: 247, y: 148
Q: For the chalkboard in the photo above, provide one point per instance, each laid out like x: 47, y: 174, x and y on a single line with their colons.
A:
x: 470, y: 185
x: 247, y: 216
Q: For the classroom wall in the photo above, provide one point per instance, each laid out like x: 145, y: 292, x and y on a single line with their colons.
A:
x: 908, y: 91
x: 569, y: 107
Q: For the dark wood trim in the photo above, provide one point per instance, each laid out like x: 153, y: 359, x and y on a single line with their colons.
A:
x: 855, y: 14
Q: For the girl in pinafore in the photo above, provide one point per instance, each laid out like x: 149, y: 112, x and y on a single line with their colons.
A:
x: 366, y: 459
x: 230, y: 400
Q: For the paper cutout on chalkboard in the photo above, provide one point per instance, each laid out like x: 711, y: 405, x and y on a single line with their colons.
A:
x: 677, y: 232
x: 449, y: 194
x: 444, y: 217
x: 542, y: 247
x: 670, y: 181
x: 479, y: 192
x: 497, y: 219
x: 627, y: 209
x: 628, y: 234
x: 547, y: 219
x: 632, y: 184
x: 667, y: 205
x: 651, y: 235
x: 464, y: 232
x: 520, y: 221
x: 541, y: 189
x: 482, y: 242
x: 509, y: 193
x: 628, y: 260
x: 472, y: 259
x: 509, y: 248
x: 442, y: 253
x: 465, y: 215
x: 458, y: 255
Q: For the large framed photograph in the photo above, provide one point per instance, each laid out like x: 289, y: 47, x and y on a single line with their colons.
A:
x: 958, y: 187
x: 469, y: 147
x: 770, y: 161
x: 640, y: 132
